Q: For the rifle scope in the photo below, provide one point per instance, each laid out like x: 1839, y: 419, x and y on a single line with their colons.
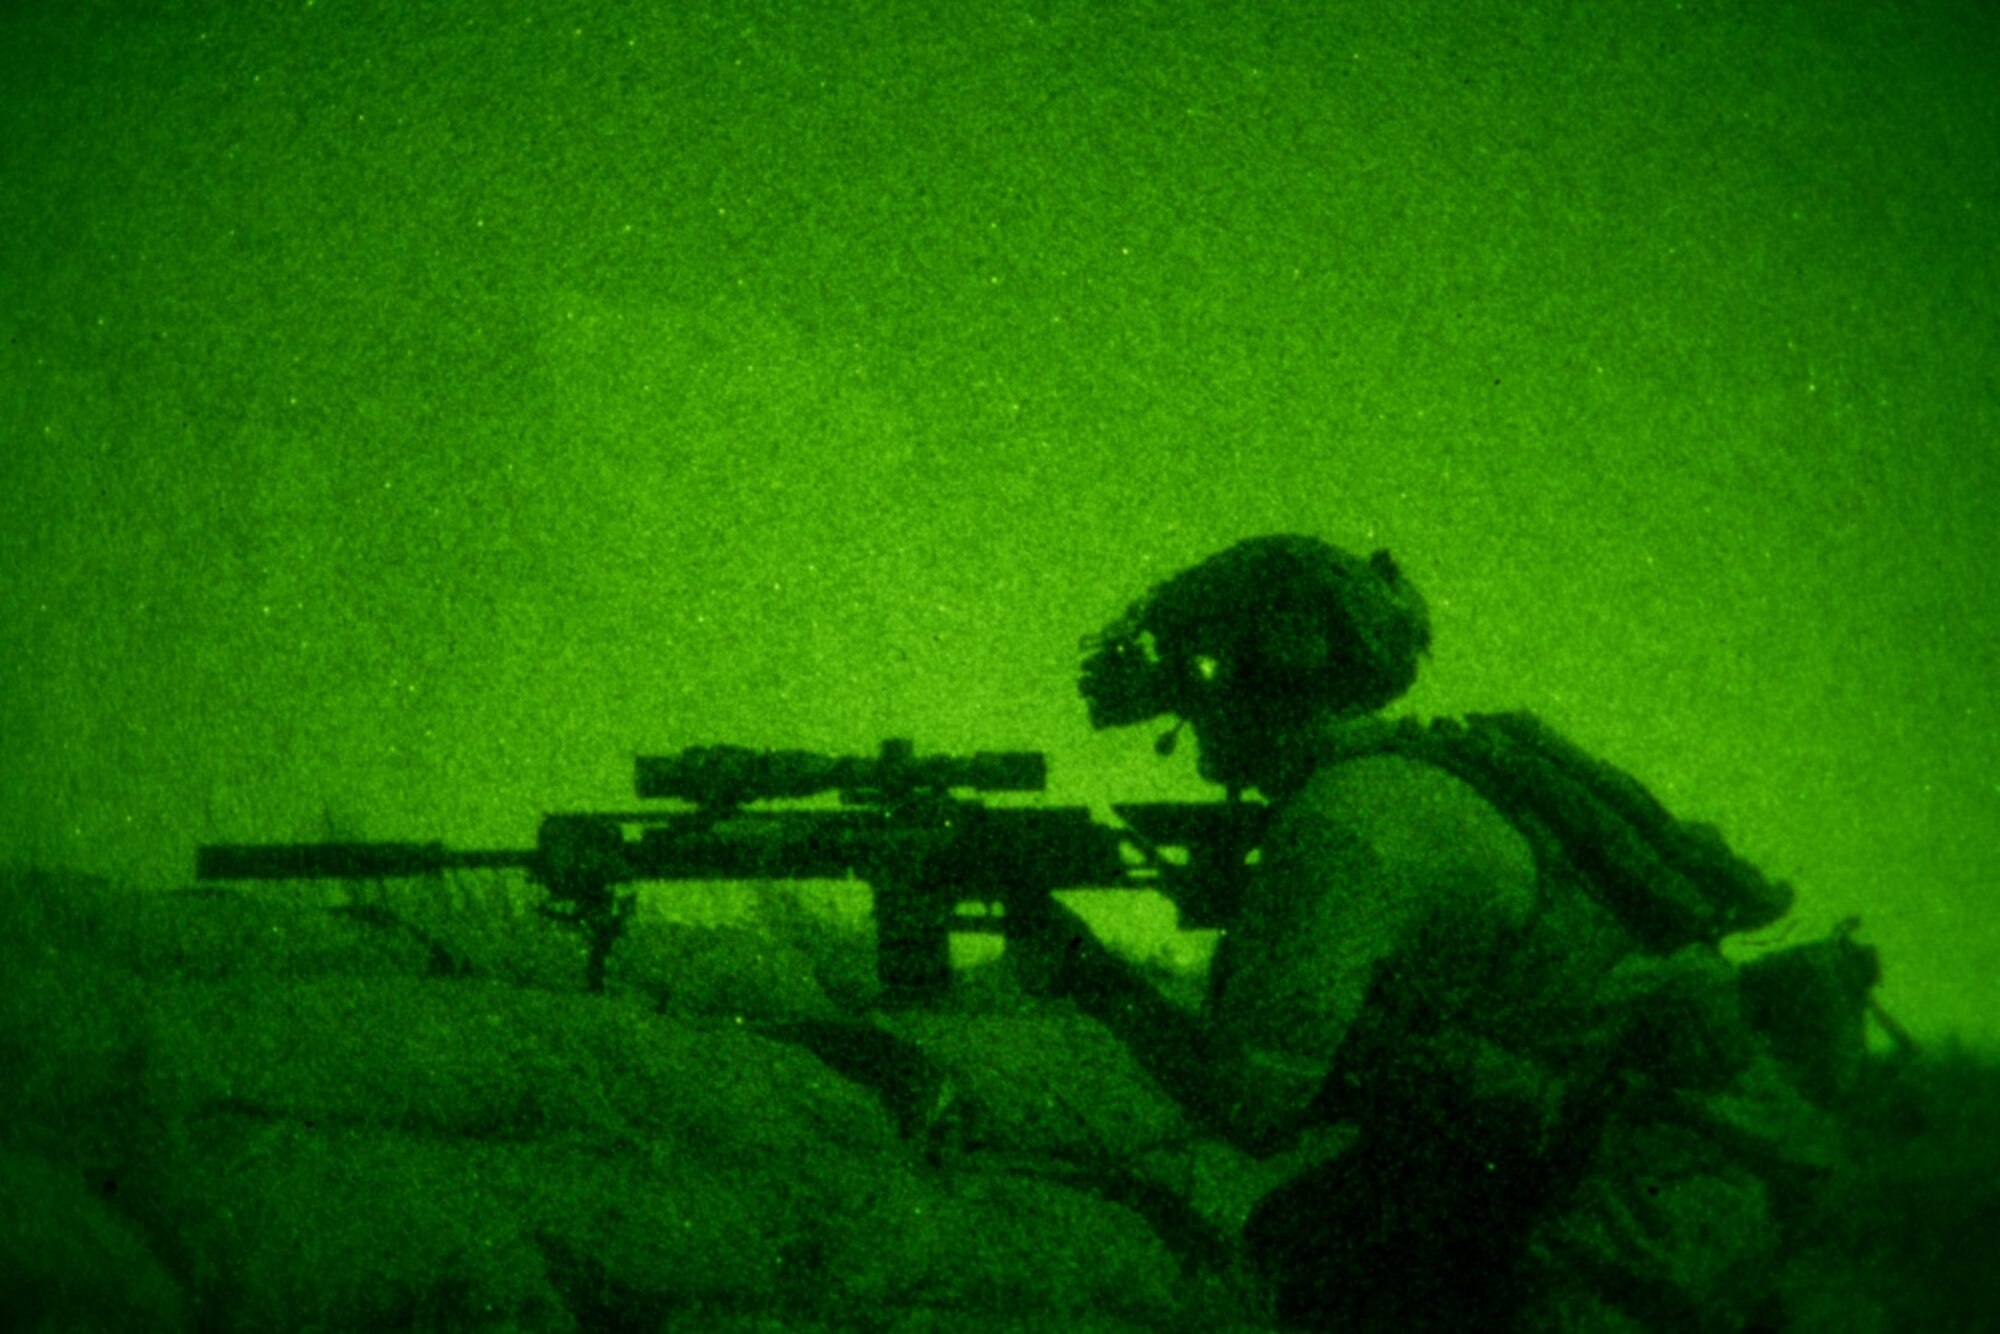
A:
x: 732, y: 775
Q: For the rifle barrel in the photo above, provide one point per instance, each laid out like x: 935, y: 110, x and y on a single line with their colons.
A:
x: 343, y: 861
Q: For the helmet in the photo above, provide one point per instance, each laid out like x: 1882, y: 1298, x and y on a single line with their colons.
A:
x: 1273, y: 621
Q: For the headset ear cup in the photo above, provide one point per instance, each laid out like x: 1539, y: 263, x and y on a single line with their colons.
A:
x: 1294, y: 645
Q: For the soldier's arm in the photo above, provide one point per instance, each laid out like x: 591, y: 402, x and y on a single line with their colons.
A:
x: 1171, y: 1044
x: 1382, y: 870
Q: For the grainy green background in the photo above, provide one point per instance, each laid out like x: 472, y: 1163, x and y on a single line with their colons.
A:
x: 409, y: 410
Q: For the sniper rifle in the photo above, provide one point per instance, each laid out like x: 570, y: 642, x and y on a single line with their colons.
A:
x: 937, y: 862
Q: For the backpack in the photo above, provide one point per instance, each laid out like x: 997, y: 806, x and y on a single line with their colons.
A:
x: 1670, y: 883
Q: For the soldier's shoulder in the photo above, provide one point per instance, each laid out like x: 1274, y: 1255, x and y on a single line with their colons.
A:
x: 1386, y: 772
x: 1408, y: 812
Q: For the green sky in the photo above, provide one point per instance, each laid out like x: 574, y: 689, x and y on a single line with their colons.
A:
x: 412, y: 410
